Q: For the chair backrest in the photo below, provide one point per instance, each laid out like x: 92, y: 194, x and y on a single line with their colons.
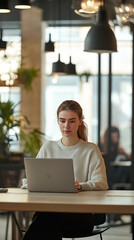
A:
x: 99, y: 218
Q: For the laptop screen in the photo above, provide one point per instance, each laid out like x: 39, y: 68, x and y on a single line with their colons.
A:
x: 50, y: 174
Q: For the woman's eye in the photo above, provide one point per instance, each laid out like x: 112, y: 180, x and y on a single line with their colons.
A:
x: 72, y: 121
x: 62, y: 121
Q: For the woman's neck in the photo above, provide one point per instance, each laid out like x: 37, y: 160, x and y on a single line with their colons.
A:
x: 69, y: 141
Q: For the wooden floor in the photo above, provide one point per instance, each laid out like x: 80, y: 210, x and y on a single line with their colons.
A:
x: 114, y: 233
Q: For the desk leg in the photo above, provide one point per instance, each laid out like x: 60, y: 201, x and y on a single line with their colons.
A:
x: 16, y: 223
x: 132, y: 227
x: 13, y: 228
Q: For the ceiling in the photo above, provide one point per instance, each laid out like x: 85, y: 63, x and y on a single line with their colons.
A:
x: 55, y: 12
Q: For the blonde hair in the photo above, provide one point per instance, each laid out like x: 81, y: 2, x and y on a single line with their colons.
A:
x: 75, y: 107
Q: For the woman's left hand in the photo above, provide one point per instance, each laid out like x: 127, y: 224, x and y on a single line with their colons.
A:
x: 77, y: 185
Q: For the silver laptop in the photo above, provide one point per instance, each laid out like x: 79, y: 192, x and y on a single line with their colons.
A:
x: 50, y: 175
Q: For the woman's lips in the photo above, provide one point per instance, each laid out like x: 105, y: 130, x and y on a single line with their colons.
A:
x: 67, y: 131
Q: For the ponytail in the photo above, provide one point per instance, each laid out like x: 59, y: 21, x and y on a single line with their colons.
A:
x: 82, y: 132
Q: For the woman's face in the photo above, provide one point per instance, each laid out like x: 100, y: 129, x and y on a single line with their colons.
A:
x: 68, y: 122
x: 115, y: 137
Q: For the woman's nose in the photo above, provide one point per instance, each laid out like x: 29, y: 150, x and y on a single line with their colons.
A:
x: 67, y: 124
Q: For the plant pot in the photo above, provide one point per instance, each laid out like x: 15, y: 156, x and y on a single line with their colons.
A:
x: 4, y: 153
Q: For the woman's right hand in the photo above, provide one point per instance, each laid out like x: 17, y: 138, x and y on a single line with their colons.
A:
x: 77, y: 185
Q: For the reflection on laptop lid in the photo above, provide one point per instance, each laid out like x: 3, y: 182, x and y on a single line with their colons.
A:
x: 49, y: 174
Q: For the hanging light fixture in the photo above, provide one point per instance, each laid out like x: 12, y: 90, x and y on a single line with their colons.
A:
x: 125, y: 11
x: 59, y: 67
x: 3, y: 44
x: 70, y: 68
x: 101, y: 38
x: 23, y: 4
x: 49, y: 46
x: 4, y: 6
x: 85, y: 8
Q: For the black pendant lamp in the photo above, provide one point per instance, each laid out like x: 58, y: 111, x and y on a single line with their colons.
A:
x: 101, y: 38
x: 4, y: 6
x: 22, y: 4
x: 59, y: 67
x: 3, y: 44
x: 70, y: 68
x: 49, y: 46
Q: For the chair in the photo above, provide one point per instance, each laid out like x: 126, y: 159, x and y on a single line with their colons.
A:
x: 98, y: 231
x: 98, y: 220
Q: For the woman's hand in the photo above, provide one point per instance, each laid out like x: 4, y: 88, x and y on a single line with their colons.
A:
x: 77, y: 185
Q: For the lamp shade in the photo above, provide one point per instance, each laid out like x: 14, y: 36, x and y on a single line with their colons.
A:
x: 70, y: 68
x: 49, y: 46
x: 4, y: 6
x: 59, y: 67
x: 22, y: 4
x: 101, y: 38
x: 3, y: 44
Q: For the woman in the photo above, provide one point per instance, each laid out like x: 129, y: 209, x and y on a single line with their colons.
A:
x: 115, y: 148
x: 89, y: 171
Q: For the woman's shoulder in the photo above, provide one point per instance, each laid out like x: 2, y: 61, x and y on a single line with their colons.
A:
x: 47, y: 146
x: 93, y: 147
x: 90, y: 144
x: 48, y: 143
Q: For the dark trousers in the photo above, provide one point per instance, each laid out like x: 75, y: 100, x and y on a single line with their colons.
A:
x: 55, y: 226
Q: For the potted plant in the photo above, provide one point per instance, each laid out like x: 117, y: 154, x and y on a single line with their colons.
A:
x: 25, y: 77
x: 9, y: 120
x: 86, y: 75
x: 11, y: 163
x: 31, y: 141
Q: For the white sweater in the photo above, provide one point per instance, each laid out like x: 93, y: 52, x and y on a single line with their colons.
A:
x: 89, y: 167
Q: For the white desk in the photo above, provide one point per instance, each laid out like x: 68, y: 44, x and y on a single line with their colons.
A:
x: 122, y: 163
x: 112, y: 201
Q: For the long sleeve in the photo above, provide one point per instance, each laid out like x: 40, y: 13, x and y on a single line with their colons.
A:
x: 97, y: 179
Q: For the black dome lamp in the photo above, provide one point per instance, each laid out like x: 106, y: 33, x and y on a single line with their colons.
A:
x: 101, y: 38
x: 70, y: 68
x: 23, y: 4
x: 49, y: 46
x: 3, y: 44
x: 59, y: 67
x: 4, y: 6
